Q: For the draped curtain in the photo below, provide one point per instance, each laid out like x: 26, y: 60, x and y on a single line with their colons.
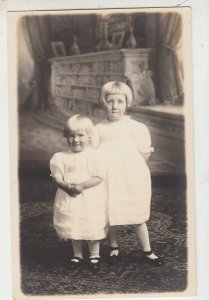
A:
x: 169, y: 67
x: 37, y: 36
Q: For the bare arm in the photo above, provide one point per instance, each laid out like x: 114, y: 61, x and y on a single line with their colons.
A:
x: 66, y: 187
x: 93, y: 181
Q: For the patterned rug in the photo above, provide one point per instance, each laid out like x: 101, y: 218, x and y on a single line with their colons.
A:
x: 44, y: 258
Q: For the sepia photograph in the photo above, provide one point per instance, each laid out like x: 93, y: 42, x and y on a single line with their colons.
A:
x: 102, y: 140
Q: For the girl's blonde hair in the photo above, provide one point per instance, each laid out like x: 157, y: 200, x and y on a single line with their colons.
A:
x: 116, y: 87
x: 78, y: 122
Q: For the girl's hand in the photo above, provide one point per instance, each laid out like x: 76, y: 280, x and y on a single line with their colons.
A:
x: 75, y: 189
x: 66, y: 187
x: 71, y: 191
x: 69, y: 186
x: 78, y: 188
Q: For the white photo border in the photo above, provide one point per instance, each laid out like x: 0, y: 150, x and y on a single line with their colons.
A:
x: 200, y: 24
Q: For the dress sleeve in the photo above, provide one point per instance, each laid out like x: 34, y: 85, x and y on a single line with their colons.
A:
x: 142, y: 138
x: 96, y: 164
x: 57, y: 166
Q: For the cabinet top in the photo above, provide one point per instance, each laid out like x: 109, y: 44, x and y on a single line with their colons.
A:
x: 102, y: 55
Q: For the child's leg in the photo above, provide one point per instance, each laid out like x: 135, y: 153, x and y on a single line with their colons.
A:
x: 94, y: 258
x: 77, y: 248
x: 112, y: 235
x: 94, y: 247
x: 143, y: 238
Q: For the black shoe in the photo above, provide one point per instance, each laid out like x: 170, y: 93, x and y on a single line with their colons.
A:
x: 75, y: 262
x: 94, y: 263
x: 156, y: 262
x: 113, y: 258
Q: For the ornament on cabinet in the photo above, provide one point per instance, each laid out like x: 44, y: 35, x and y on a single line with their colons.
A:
x: 104, y: 44
x: 74, y: 48
x: 131, y: 42
x: 117, y: 39
x: 58, y: 48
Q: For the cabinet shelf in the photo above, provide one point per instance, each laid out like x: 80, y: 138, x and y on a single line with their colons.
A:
x: 79, y: 85
x: 89, y: 73
x: 70, y: 97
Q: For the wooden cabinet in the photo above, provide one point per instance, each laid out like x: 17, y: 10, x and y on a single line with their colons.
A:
x: 77, y: 80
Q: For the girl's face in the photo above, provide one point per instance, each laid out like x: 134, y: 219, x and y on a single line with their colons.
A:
x: 115, y: 106
x: 78, y: 140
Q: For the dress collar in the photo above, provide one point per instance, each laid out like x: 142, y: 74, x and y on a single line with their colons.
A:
x: 119, y: 121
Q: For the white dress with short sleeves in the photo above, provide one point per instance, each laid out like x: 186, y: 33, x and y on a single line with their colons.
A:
x: 128, y: 176
x: 82, y: 217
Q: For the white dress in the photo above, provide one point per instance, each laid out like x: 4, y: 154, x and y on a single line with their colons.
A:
x: 82, y: 217
x: 128, y: 176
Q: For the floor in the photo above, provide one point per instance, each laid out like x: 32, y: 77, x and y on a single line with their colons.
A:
x: 44, y: 258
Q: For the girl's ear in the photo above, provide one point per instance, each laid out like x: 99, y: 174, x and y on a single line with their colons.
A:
x: 104, y: 104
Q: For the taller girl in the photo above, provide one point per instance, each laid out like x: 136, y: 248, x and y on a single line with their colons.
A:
x: 127, y: 147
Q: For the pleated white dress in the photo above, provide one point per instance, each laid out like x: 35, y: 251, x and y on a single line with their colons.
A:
x: 129, y: 183
x: 83, y: 217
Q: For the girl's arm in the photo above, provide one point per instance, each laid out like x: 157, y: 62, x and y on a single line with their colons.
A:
x: 93, y: 181
x: 57, y: 171
x: 66, y: 187
x: 142, y: 139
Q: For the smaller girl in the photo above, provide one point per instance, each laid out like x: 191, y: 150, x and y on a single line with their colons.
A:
x: 80, y: 201
x: 127, y: 146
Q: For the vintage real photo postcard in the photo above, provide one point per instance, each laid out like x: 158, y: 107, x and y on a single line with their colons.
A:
x: 101, y: 143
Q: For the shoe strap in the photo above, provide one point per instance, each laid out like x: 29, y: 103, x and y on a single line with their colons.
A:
x: 76, y: 257
x: 114, y: 248
x: 147, y: 252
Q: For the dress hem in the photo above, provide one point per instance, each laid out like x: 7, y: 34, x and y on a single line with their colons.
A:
x: 128, y: 223
x: 70, y: 237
